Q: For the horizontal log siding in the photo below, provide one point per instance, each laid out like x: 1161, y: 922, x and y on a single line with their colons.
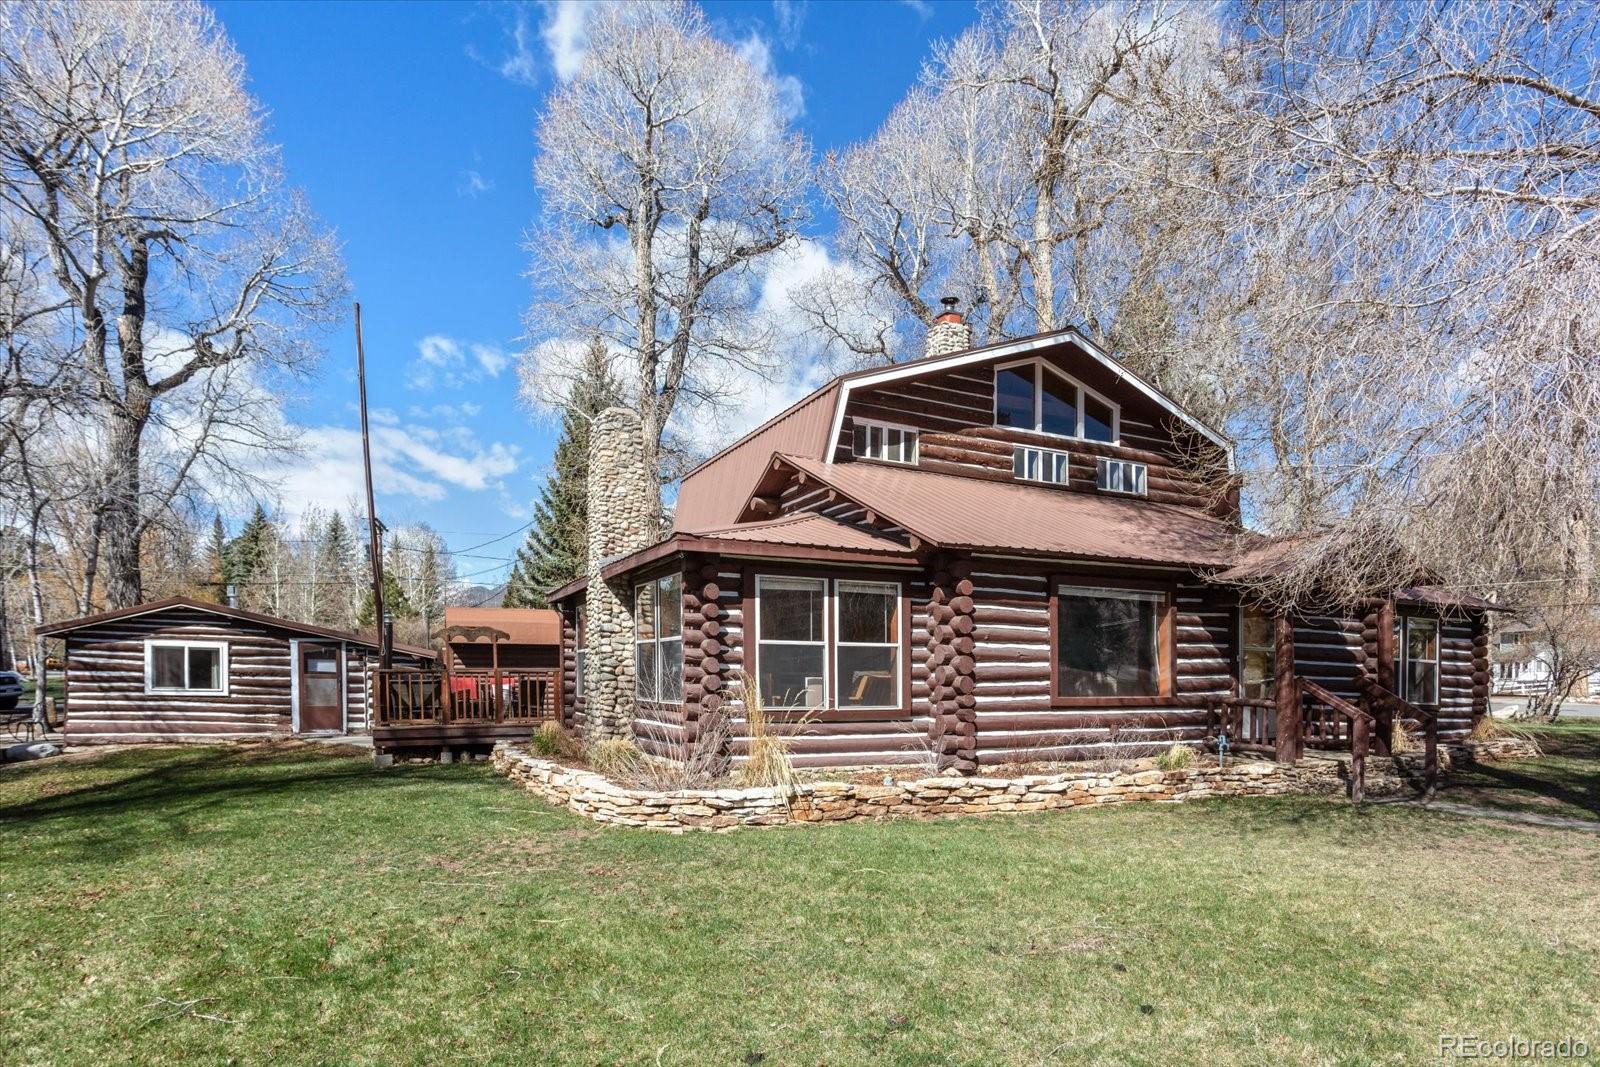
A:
x: 1015, y: 719
x: 105, y: 681
x: 1457, y: 678
x: 571, y: 703
x: 955, y: 414
x: 1330, y: 651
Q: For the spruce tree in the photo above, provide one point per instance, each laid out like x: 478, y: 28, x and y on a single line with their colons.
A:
x: 554, y: 552
x: 242, y: 558
x: 336, y: 574
x: 214, y: 562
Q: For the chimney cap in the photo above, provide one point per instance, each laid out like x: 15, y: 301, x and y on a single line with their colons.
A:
x: 949, y: 314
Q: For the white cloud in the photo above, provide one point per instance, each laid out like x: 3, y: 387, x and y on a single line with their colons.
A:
x: 791, y: 17
x: 923, y: 8
x: 445, y: 362
x: 473, y: 185
x: 521, y: 66
x: 791, y: 93
x: 566, y: 35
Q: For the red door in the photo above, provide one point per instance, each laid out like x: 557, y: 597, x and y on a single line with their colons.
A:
x: 320, y: 706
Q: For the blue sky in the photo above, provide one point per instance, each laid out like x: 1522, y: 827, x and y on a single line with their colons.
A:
x: 411, y: 128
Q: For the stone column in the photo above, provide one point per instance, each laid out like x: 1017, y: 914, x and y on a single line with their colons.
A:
x: 949, y: 332
x: 619, y: 523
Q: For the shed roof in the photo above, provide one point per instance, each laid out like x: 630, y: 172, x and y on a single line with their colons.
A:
x: 950, y: 511
x: 525, y: 626
x: 56, y: 629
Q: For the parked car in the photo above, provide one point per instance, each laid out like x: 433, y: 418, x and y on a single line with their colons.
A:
x: 10, y: 689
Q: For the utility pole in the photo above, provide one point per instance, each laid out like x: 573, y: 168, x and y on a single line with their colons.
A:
x: 374, y: 529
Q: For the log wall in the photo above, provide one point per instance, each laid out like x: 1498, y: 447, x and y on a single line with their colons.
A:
x: 106, y: 701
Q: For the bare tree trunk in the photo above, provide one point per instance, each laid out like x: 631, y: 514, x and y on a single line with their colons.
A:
x: 121, y: 517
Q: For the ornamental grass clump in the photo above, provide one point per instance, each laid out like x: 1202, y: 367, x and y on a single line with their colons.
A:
x: 614, y: 757
x: 1177, y: 758
x: 1402, y: 739
x: 551, y: 741
x: 768, y: 764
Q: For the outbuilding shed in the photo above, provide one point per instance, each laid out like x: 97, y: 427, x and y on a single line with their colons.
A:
x: 186, y: 670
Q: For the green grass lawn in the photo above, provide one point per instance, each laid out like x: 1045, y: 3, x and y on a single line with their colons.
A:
x: 1565, y: 782
x: 292, y: 905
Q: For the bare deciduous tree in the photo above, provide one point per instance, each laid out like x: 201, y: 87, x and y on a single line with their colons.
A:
x: 132, y: 153
x: 668, y: 171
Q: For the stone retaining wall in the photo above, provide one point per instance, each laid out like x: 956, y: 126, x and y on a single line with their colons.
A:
x: 678, y: 811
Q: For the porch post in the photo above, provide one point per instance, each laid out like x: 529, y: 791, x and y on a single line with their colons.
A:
x: 499, y: 696
x: 1384, y: 711
x: 1284, y: 690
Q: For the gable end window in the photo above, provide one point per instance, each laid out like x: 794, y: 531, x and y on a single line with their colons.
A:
x: 880, y: 440
x: 196, y: 667
x: 1035, y: 396
x: 658, y: 639
x: 1121, y: 476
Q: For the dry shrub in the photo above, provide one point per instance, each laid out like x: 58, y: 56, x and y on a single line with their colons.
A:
x: 671, y: 759
x: 614, y: 757
x: 552, y: 741
x: 1402, y: 739
x: 1487, y: 728
x: 1177, y: 758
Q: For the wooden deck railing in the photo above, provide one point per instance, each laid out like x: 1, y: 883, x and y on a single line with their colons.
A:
x: 1250, y: 724
x: 1397, y: 709
x: 1328, y: 721
x: 407, y: 697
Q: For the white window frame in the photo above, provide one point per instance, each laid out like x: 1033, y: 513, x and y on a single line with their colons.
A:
x: 580, y: 654
x: 1402, y: 657
x: 898, y: 642
x: 827, y: 631
x: 877, y: 424
x: 1040, y: 366
x: 658, y: 640
x: 1022, y: 451
x: 152, y: 643
x: 1138, y: 473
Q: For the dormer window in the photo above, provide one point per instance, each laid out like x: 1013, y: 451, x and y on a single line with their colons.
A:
x: 884, y: 441
x: 1035, y: 396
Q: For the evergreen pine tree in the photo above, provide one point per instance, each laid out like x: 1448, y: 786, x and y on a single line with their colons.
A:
x: 554, y: 552
x: 336, y: 574
x: 243, y: 557
x: 395, y: 602
x: 213, y: 562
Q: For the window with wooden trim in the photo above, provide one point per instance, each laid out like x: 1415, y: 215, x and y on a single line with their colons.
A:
x: 1109, y: 642
x: 1257, y: 652
x: 1033, y: 395
x: 1121, y: 476
x: 658, y: 639
x: 823, y: 642
x: 1416, y: 654
x: 1039, y: 465
x: 866, y: 653
x: 883, y: 441
x: 197, y: 667
x: 792, y: 641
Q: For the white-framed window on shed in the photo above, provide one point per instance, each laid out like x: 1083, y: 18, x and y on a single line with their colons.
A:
x: 198, y: 667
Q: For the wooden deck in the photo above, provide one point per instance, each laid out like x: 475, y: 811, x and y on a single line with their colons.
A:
x: 430, y: 709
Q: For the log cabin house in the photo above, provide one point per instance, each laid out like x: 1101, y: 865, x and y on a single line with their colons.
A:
x: 977, y: 557
x: 188, y: 670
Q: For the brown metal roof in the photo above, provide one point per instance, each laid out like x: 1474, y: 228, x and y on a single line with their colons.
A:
x: 524, y: 626
x: 809, y: 528
x: 711, y: 495
x: 67, y: 626
x: 974, y: 513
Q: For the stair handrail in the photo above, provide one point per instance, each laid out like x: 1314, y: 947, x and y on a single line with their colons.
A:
x: 1361, y: 723
x: 1428, y: 717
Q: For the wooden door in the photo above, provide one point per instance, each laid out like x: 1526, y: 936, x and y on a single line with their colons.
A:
x: 321, y: 706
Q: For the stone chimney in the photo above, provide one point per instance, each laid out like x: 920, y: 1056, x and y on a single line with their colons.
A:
x: 949, y: 332
x: 620, y: 522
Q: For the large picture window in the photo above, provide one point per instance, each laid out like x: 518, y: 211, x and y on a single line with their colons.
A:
x: 1035, y: 396
x: 658, y: 639
x: 1416, y: 653
x: 1108, y: 642
x: 186, y: 667
x: 829, y: 643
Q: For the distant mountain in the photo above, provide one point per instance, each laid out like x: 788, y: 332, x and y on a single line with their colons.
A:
x: 477, y: 596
